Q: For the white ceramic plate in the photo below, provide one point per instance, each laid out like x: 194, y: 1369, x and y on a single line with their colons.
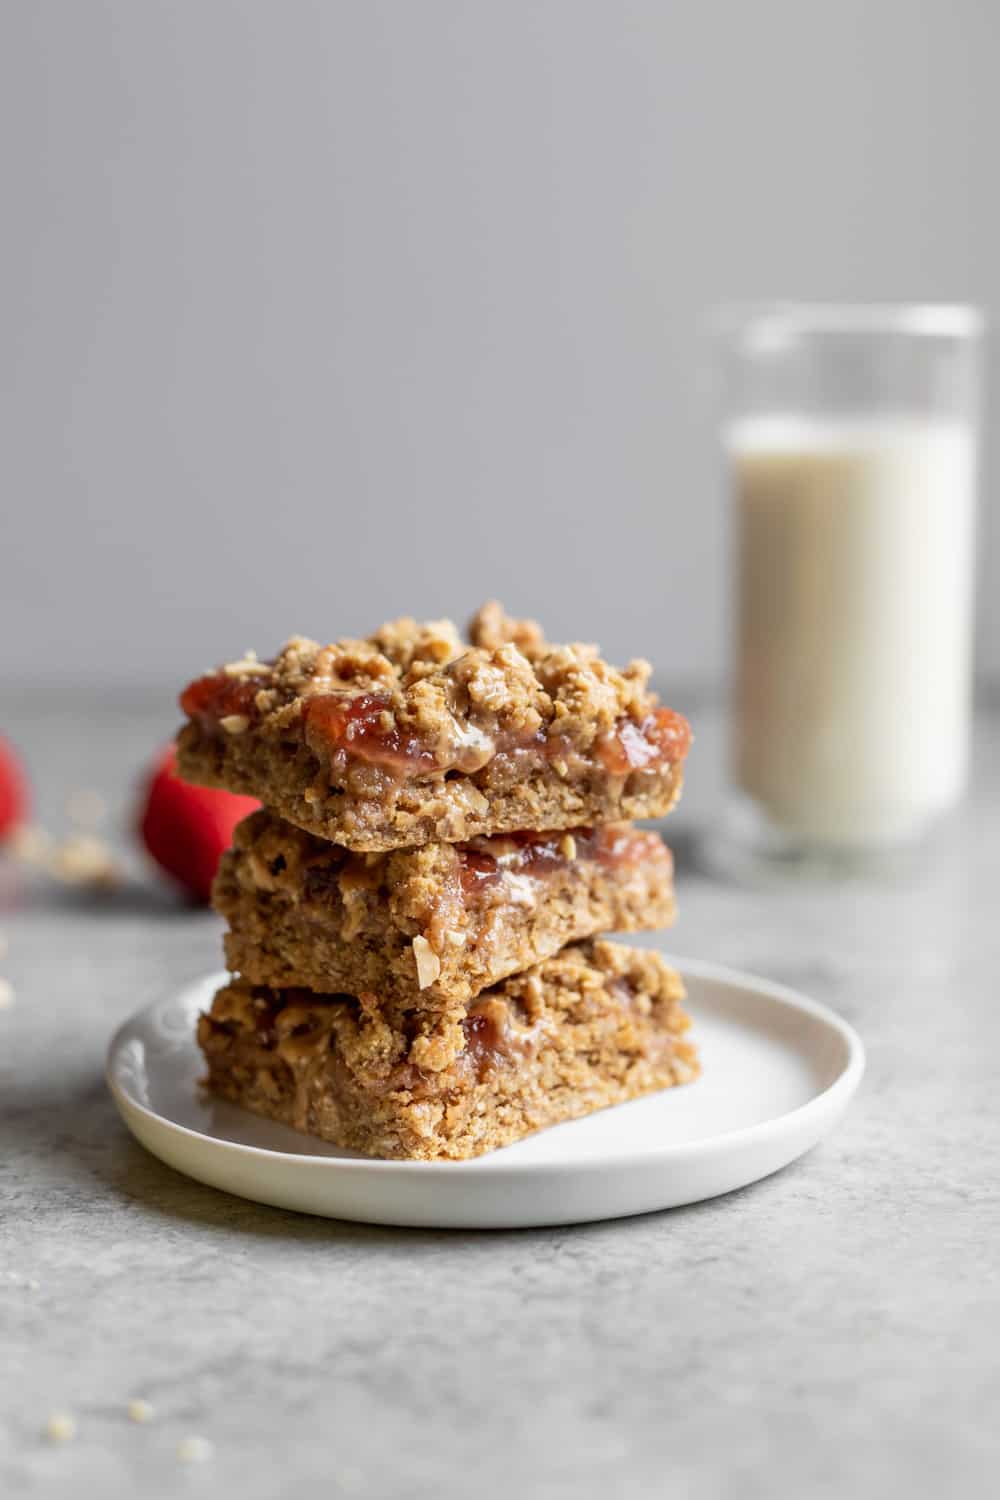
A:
x: 779, y: 1071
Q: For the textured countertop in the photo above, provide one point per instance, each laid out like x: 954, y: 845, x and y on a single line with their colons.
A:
x: 831, y: 1331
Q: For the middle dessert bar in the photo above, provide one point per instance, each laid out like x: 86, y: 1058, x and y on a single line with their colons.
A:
x: 429, y: 928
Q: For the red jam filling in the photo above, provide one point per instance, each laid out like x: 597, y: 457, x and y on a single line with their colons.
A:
x: 484, y: 1041
x: 616, y: 846
x: 217, y: 695
x: 361, y: 725
x: 486, y: 861
x: 663, y: 735
x: 476, y: 871
x: 355, y: 725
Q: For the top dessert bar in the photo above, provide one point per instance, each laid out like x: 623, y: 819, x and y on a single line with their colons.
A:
x: 414, y: 734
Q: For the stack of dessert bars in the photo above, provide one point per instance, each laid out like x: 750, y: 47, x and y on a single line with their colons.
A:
x: 412, y: 915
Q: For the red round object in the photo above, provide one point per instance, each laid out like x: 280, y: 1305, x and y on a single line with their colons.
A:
x: 15, y: 795
x: 186, y: 828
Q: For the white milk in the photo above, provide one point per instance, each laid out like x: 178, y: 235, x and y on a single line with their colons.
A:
x: 855, y: 562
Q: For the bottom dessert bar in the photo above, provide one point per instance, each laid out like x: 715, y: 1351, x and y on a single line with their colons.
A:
x: 595, y: 1025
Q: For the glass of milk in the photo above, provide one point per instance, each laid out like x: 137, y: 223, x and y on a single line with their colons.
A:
x: 850, y: 445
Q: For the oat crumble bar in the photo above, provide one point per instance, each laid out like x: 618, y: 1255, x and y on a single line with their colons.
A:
x: 414, y: 735
x: 428, y: 928
x: 594, y: 1026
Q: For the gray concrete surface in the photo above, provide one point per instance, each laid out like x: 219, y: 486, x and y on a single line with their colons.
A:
x: 832, y: 1331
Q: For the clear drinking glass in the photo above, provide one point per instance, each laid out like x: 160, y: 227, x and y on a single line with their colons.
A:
x: 850, y: 444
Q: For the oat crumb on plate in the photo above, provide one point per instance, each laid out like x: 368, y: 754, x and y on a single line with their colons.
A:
x: 194, y: 1450
x: 61, y: 1427
x: 30, y: 844
x: 84, y: 859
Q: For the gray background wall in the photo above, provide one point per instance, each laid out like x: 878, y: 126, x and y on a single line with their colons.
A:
x: 313, y: 313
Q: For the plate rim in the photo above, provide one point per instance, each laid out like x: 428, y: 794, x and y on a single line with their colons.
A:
x: 842, y: 1088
